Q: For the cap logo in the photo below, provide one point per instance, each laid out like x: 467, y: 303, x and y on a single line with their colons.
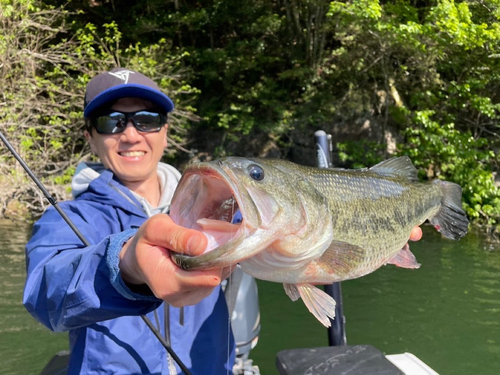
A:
x: 122, y: 74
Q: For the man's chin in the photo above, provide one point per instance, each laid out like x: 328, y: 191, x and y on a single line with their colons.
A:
x: 133, y: 175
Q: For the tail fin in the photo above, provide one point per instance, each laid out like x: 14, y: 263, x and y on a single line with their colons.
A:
x: 451, y: 219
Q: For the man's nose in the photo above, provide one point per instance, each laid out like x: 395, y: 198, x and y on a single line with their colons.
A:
x: 130, y: 133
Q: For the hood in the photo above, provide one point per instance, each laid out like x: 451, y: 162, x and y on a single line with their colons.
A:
x: 85, y: 173
x: 168, y: 177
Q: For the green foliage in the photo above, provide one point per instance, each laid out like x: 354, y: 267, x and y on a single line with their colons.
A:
x: 359, y: 154
x: 446, y: 153
x: 248, y: 66
x: 65, y: 178
x: 434, y: 73
x: 426, y: 74
x: 43, y: 78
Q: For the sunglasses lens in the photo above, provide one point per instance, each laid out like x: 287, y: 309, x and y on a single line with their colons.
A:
x: 146, y: 121
x: 114, y: 122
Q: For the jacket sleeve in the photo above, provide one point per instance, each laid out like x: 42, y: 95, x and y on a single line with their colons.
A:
x: 70, y: 285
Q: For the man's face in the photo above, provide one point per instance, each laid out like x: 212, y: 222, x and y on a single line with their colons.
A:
x: 131, y: 155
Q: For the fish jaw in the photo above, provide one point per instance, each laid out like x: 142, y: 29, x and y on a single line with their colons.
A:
x: 281, y: 215
x: 196, y: 204
x: 239, y: 248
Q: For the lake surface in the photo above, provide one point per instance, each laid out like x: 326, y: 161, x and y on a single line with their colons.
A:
x: 25, y: 345
x: 447, y: 313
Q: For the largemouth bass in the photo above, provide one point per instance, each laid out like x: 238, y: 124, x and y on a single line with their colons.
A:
x: 303, y: 226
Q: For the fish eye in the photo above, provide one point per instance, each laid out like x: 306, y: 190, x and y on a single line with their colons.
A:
x: 256, y: 172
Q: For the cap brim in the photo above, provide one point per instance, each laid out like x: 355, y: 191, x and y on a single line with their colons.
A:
x: 129, y: 91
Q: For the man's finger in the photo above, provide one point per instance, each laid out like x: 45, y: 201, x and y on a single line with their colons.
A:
x: 162, y: 231
x: 416, y: 234
x: 183, y: 282
x: 192, y: 280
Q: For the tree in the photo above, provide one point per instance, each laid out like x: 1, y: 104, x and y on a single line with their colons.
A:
x: 43, y: 75
x: 437, y: 69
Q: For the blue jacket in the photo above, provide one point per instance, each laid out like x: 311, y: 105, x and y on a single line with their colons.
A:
x: 73, y: 287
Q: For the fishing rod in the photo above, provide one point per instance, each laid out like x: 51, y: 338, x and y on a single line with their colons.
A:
x: 44, y: 191
x: 82, y: 238
x: 336, y: 331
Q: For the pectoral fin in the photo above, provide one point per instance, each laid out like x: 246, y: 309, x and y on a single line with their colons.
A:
x: 405, y: 259
x: 320, y: 304
x: 341, y: 258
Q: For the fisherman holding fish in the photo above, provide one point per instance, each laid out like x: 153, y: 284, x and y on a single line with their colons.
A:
x: 99, y: 292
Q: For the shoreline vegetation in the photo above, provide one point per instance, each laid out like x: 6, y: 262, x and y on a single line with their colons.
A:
x: 258, y: 79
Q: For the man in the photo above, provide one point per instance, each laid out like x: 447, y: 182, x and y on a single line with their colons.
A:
x: 98, y: 292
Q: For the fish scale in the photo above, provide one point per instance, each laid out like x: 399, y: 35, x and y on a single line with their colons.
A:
x: 303, y: 226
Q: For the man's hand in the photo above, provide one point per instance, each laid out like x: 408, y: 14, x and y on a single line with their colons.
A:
x: 145, y: 259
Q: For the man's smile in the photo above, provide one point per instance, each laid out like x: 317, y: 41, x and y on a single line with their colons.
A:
x: 132, y: 154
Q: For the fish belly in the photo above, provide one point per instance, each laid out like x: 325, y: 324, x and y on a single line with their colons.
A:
x: 372, y: 221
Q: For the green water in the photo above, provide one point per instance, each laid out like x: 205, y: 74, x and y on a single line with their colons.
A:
x: 25, y: 345
x: 447, y: 313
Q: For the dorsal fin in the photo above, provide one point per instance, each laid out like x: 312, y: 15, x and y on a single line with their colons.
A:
x: 400, y: 166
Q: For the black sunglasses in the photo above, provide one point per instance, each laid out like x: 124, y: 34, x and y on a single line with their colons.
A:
x: 113, y: 122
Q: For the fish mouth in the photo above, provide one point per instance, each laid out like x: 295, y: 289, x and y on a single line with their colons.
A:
x: 207, y: 200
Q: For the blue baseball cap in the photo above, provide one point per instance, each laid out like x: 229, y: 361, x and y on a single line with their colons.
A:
x: 118, y: 83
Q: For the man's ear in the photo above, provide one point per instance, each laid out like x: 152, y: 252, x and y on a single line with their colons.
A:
x: 90, y: 140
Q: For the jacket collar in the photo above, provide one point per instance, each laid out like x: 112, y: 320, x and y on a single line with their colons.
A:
x: 92, y: 181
